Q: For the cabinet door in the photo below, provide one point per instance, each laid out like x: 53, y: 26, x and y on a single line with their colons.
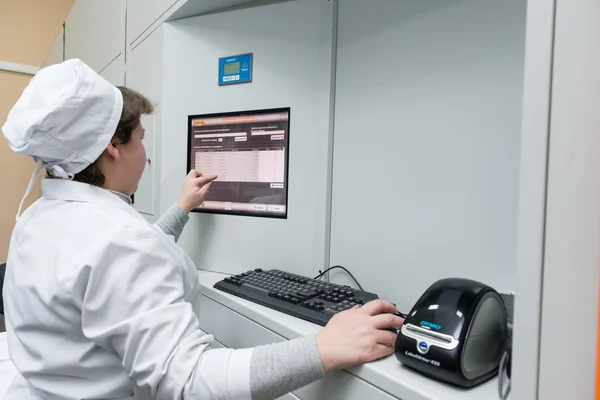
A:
x: 144, y: 74
x: 114, y: 72
x: 218, y: 320
x: 95, y: 32
x: 55, y: 55
x: 143, y: 13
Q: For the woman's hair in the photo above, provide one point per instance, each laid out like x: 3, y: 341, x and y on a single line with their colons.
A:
x: 134, y: 106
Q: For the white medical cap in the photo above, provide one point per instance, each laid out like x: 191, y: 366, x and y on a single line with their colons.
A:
x: 65, y: 119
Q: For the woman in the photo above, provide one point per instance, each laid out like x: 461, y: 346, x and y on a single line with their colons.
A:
x: 99, y: 303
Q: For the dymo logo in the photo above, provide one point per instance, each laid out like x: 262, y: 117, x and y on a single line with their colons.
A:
x: 429, y: 324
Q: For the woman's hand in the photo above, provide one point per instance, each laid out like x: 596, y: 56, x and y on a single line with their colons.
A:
x: 194, y: 190
x: 358, y: 335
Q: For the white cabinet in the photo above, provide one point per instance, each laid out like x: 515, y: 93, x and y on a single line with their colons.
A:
x: 237, y: 331
x: 95, y: 32
x: 115, y: 71
x: 144, y: 74
x: 56, y: 53
x: 143, y: 13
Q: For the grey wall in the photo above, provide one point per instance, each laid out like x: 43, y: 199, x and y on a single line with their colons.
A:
x: 426, y: 139
x: 292, y: 55
x: 426, y: 147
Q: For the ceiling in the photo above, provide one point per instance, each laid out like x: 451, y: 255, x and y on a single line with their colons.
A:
x: 29, y: 27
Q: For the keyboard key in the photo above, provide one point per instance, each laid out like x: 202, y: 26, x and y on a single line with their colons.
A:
x: 300, y: 296
x: 295, y: 299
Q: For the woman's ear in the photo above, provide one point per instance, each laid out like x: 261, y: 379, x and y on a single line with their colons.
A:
x: 113, y: 151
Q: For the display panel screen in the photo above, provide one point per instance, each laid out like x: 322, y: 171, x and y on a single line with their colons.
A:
x: 249, y: 152
x: 231, y: 68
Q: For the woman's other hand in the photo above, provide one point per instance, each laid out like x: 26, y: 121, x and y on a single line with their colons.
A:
x: 358, y: 335
x: 194, y: 190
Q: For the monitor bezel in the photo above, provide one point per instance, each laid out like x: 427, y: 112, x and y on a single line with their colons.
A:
x: 200, y: 210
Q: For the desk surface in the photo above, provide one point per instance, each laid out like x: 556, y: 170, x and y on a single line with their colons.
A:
x: 387, y: 374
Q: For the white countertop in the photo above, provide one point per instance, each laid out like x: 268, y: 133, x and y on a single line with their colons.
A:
x: 387, y: 374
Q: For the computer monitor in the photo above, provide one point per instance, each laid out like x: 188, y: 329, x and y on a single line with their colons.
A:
x: 249, y: 151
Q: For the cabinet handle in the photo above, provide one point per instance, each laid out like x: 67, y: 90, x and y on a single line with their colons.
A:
x: 149, y: 161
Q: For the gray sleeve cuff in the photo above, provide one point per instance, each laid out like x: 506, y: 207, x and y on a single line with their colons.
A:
x: 280, y: 368
x: 173, y: 221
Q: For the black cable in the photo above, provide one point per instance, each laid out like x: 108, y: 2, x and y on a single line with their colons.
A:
x: 400, y: 314
x: 339, y: 266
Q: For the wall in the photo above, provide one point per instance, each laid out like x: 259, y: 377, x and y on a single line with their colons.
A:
x: 15, y: 170
x: 449, y: 118
x: 532, y: 197
x: 32, y: 26
x: 291, y: 42
x: 56, y: 54
x: 96, y: 33
x: 426, y: 148
x: 571, y: 252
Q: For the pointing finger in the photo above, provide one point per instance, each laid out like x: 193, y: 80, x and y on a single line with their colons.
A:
x: 203, y: 180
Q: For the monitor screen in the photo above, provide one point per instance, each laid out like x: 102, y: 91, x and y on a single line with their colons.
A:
x: 249, y: 152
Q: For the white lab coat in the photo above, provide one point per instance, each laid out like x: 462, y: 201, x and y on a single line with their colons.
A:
x: 100, y: 305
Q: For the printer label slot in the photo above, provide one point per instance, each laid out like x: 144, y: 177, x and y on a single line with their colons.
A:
x: 435, y: 338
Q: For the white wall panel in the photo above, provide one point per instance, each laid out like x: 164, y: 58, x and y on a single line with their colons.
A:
x: 95, y: 32
x: 55, y: 55
x: 115, y: 71
x: 145, y: 74
x: 427, y: 143
x: 291, y: 63
x: 532, y: 198
x: 143, y: 13
x: 572, y: 259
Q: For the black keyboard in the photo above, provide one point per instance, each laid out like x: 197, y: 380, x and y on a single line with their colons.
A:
x: 306, y: 298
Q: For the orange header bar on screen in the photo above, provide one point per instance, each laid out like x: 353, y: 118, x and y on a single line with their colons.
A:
x: 245, y: 118
x: 224, y: 120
